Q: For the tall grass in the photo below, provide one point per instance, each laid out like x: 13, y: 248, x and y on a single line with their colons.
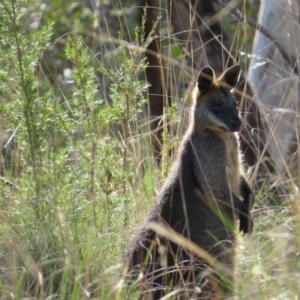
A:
x: 79, y: 175
x: 82, y: 163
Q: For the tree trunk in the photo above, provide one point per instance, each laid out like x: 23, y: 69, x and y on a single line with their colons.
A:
x: 275, y: 83
x: 158, y: 90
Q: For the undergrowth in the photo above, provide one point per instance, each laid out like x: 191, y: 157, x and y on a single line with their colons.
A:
x: 78, y: 174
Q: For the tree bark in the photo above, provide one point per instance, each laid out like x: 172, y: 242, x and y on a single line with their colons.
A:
x: 158, y: 90
x: 275, y: 82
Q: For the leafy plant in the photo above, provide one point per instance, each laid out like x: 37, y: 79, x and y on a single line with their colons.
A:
x: 77, y: 151
x: 77, y: 172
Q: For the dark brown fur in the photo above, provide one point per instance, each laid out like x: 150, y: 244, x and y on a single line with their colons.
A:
x: 200, y: 200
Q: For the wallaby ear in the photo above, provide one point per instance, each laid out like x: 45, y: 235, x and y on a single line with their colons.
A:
x: 231, y: 76
x: 206, y: 78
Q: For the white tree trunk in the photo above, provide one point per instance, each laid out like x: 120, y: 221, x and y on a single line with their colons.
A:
x: 272, y: 77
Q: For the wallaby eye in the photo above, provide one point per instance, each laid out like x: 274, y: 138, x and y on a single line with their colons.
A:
x: 216, y: 107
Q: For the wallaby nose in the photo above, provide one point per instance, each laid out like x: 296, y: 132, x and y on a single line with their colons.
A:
x: 236, y: 124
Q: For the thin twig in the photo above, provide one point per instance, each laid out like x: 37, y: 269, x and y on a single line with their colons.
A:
x: 292, y: 61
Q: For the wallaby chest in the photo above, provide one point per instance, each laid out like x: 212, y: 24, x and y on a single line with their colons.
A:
x: 216, y: 162
x: 233, y: 164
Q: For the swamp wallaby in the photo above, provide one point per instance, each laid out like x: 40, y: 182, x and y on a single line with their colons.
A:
x: 205, y: 193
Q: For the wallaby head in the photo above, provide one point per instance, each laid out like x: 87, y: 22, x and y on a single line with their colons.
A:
x: 215, y: 106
